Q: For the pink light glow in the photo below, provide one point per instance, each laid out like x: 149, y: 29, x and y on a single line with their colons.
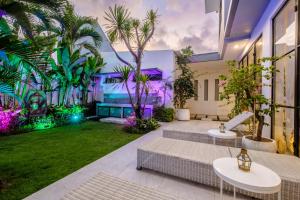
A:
x: 7, y: 117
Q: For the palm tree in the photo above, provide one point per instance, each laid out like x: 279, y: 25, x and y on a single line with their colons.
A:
x: 27, y: 12
x: 20, y: 55
x: 135, y: 34
x: 77, y: 32
x: 92, y: 66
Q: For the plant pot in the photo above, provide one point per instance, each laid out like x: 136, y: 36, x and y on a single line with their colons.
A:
x: 183, y: 114
x: 268, y: 145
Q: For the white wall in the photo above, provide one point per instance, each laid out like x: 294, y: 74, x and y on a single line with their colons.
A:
x: 210, y: 71
x: 163, y: 60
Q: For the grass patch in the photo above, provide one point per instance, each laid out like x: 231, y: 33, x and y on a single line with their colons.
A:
x: 31, y: 161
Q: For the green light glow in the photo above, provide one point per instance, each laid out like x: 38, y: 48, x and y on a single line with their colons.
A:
x: 34, y: 106
x: 76, y: 118
x: 44, y: 123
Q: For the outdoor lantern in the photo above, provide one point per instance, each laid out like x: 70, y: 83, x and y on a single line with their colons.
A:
x: 222, y: 128
x: 244, y: 160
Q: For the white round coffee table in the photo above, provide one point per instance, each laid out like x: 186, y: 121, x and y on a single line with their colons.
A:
x: 228, y: 135
x: 259, y: 179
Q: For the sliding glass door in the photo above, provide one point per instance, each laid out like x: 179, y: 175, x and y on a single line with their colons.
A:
x: 285, y: 128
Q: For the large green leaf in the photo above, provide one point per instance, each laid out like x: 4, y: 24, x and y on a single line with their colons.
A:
x: 78, y: 62
x: 66, y: 58
x: 79, y: 70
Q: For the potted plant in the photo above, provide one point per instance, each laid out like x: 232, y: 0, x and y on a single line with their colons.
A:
x: 183, y: 85
x: 245, y: 85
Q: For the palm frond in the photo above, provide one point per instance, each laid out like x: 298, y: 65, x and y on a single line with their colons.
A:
x: 91, y: 48
x: 27, y: 13
x: 8, y: 90
x: 91, y: 33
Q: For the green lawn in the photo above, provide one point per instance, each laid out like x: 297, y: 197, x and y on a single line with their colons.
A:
x: 31, y: 161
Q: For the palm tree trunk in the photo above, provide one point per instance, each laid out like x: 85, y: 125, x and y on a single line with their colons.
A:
x: 138, y: 112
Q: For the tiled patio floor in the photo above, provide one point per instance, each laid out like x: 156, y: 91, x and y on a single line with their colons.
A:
x: 122, y: 163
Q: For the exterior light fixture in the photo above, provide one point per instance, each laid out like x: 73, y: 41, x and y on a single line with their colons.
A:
x: 236, y: 46
x: 244, y: 160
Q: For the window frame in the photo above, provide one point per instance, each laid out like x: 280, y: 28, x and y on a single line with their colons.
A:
x: 206, y: 90
x: 253, y: 46
x: 296, y: 49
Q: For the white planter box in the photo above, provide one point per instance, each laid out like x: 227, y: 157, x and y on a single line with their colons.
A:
x: 183, y: 114
x: 270, y: 146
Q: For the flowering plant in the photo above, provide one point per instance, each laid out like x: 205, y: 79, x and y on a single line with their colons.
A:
x: 131, y: 120
x: 8, y: 119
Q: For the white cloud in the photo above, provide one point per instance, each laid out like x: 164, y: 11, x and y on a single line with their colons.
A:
x: 181, y: 22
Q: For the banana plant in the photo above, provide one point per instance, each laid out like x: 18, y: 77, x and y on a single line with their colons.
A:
x: 67, y: 71
x: 91, y: 67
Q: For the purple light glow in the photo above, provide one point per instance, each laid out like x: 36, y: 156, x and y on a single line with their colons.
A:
x: 2, y: 13
x: 7, y: 117
x: 144, y: 71
x: 157, y: 94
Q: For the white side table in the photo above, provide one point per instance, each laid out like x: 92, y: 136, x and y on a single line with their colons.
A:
x: 260, y: 179
x: 228, y: 135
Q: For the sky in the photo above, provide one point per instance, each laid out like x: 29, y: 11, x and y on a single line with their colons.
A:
x: 181, y: 22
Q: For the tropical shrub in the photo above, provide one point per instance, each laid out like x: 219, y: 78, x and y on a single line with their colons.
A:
x: 9, y: 120
x: 44, y: 122
x: 140, y: 126
x: 183, y: 85
x: 65, y: 115
x: 163, y: 114
x: 147, y: 125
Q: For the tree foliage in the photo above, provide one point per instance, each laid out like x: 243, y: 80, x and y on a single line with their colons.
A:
x: 244, y: 85
x: 183, y: 85
x: 27, y: 14
x: 135, y: 34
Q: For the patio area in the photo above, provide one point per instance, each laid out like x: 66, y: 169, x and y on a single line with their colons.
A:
x: 122, y: 163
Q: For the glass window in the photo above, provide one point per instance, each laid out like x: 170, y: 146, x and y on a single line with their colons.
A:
x: 196, y: 89
x: 258, y: 55
x: 111, y: 80
x: 284, y: 129
x: 206, y: 90
x: 245, y: 61
x: 217, y: 93
x: 284, y: 82
x: 251, y: 56
x: 284, y: 30
x: 258, y: 49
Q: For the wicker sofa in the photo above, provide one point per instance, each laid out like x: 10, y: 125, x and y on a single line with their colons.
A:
x: 193, y: 161
x: 200, y: 136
